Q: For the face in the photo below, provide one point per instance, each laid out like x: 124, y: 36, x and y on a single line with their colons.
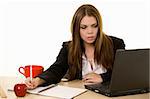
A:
x: 88, y: 29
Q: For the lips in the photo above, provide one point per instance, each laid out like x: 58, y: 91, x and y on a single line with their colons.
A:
x: 90, y: 38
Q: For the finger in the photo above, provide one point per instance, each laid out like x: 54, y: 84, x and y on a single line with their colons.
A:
x: 87, y: 78
x: 27, y: 80
x: 28, y: 83
x: 29, y: 86
x: 32, y: 86
x: 88, y: 83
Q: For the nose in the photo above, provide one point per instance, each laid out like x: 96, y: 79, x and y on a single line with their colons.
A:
x: 89, y: 30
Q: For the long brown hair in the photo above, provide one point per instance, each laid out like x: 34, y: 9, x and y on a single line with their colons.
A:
x: 103, y: 53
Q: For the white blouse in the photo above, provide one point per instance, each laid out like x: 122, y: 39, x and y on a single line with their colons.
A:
x: 89, y: 66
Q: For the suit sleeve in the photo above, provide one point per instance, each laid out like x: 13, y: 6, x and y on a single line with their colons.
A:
x: 118, y: 44
x: 58, y: 69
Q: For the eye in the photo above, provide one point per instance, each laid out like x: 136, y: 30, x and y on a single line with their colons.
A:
x: 83, y: 27
x: 95, y: 25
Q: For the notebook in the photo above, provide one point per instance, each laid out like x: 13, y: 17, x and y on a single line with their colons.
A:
x: 130, y: 74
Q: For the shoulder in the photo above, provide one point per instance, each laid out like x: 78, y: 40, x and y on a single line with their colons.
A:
x: 66, y: 43
x: 118, y: 42
x: 116, y: 39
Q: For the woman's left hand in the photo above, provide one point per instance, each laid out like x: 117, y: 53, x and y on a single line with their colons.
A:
x: 92, y: 78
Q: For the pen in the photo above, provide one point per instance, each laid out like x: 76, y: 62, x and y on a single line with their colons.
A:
x: 50, y: 86
x: 31, y: 72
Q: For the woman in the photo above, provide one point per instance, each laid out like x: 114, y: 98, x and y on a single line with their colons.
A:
x: 89, y: 56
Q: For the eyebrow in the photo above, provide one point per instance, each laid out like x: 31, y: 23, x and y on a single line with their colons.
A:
x: 86, y: 25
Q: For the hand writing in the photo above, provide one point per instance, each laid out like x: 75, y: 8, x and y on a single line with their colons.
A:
x: 31, y: 84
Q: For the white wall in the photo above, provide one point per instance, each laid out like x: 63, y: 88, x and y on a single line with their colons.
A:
x: 32, y: 31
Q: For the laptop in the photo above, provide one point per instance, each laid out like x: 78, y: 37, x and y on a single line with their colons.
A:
x: 130, y: 74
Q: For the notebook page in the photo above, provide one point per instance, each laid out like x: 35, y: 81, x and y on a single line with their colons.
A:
x: 38, y: 89
x: 63, y: 92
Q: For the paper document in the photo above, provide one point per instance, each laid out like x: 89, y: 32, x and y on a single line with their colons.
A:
x: 41, y: 89
x: 63, y: 92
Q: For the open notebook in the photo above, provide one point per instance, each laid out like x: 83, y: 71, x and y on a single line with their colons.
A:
x: 56, y: 91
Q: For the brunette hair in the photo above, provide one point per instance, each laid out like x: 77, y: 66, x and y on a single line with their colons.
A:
x: 103, y: 53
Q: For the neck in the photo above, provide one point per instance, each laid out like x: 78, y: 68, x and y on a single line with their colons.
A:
x: 88, y: 46
x: 89, y: 51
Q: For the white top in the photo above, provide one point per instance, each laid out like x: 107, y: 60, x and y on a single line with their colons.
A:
x: 89, y: 66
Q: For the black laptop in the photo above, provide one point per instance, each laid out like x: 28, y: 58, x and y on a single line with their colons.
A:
x: 130, y: 74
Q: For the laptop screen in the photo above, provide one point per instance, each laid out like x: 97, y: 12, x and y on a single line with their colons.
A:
x: 131, y: 70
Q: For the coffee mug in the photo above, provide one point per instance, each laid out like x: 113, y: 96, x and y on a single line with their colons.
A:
x: 31, y: 70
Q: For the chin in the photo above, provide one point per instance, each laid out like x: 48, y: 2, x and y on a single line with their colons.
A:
x: 90, y: 42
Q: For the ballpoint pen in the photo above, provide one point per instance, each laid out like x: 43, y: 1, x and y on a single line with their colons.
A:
x: 50, y: 86
x: 31, y: 72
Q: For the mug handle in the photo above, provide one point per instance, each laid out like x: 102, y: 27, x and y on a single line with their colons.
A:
x: 20, y: 70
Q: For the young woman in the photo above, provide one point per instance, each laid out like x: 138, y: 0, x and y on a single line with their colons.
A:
x: 89, y: 56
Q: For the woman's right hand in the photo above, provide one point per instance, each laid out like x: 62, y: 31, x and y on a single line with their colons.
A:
x: 31, y: 84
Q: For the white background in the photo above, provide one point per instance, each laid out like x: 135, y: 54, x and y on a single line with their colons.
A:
x: 32, y: 31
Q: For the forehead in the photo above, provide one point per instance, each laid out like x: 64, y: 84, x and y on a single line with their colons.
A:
x: 88, y: 20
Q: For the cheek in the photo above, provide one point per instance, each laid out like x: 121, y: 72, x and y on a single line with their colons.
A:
x: 95, y: 32
x: 82, y: 34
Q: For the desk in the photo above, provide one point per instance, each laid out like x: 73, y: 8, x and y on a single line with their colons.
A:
x: 5, y: 81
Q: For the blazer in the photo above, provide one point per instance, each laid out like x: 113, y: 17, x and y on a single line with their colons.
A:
x: 59, y: 68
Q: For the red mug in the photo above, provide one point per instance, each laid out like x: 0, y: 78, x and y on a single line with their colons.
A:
x: 31, y: 70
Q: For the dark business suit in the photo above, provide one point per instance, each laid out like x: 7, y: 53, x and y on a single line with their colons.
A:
x: 57, y: 70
